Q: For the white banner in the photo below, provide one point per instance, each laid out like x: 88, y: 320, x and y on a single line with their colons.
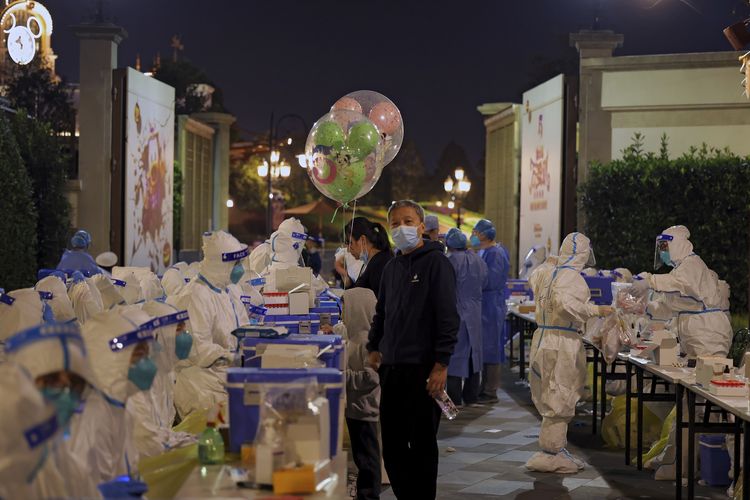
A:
x: 541, y: 168
x: 149, y: 166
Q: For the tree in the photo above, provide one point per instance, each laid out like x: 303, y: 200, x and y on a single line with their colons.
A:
x: 182, y: 75
x: 45, y: 163
x: 18, y: 245
x: 44, y: 97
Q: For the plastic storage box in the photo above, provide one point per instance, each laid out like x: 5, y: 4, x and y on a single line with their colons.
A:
x: 601, y: 289
x: 298, y: 323
x: 333, y: 358
x: 714, y: 460
x: 331, y: 311
x: 244, y: 386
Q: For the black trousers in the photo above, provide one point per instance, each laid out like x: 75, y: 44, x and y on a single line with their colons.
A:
x: 409, y: 419
x: 366, y: 454
x: 465, y: 391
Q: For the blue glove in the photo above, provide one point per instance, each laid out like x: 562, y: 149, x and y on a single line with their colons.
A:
x: 122, y: 489
x: 77, y: 276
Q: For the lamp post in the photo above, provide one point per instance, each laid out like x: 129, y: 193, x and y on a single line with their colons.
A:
x: 458, y: 186
x: 272, y: 168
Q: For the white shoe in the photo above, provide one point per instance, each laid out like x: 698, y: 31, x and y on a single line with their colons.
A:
x: 560, y: 463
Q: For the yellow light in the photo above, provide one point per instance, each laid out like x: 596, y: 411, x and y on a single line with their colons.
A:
x: 440, y: 203
x: 263, y: 169
x: 451, y: 205
x: 459, y: 173
x: 275, y: 155
x: 285, y: 170
x: 448, y: 185
x: 230, y: 203
x: 289, y: 141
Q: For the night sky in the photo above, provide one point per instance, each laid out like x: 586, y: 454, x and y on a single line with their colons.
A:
x: 436, y: 60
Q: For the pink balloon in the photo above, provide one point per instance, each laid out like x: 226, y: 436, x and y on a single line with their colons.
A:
x: 386, y: 117
x: 347, y: 103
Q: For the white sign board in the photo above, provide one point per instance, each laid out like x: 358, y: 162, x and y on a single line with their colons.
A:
x: 541, y: 168
x: 149, y: 164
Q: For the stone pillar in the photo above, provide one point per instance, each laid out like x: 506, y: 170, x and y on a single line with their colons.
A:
x: 98, y: 54
x: 220, y: 122
x: 595, y: 126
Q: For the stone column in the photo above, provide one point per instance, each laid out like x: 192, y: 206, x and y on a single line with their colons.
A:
x: 220, y: 122
x: 595, y: 126
x: 98, y: 54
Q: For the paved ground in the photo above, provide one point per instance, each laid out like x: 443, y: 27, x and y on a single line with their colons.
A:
x: 493, y: 443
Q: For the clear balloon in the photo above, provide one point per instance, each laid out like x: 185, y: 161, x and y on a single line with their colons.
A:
x: 383, y: 113
x: 346, y: 160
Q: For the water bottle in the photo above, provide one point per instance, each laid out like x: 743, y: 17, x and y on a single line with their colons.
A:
x: 446, y: 405
x: 210, y: 446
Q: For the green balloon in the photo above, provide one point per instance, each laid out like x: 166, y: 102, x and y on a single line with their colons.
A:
x: 363, y: 139
x: 329, y: 134
x: 348, y: 182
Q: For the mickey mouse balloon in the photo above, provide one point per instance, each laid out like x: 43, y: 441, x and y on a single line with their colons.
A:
x: 382, y: 113
x: 347, y: 152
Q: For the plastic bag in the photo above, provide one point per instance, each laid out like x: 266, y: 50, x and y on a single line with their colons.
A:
x: 613, y: 426
x: 658, y: 447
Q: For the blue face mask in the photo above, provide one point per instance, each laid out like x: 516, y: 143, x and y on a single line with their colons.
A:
x: 364, y: 256
x: 142, y: 374
x: 237, y: 272
x: 475, y: 242
x: 405, y: 237
x: 665, y: 257
x: 65, y: 402
x: 182, y: 345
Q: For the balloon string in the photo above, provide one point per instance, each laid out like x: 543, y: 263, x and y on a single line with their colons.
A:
x: 335, y: 212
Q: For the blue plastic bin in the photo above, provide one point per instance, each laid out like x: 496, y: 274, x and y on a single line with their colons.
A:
x: 292, y: 322
x: 244, y: 384
x: 334, y: 358
x: 715, y: 462
x: 333, y: 312
x: 601, y: 289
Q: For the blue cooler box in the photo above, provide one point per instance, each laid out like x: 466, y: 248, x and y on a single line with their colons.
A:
x: 601, y: 289
x: 244, y: 384
x: 292, y: 323
x: 334, y: 358
x: 332, y: 311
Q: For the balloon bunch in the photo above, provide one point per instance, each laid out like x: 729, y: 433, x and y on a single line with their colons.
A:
x: 349, y: 146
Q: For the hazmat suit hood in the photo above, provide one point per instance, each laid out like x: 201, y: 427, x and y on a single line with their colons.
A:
x: 110, y: 294
x: 287, y: 244
x: 173, y: 281
x: 259, y: 259
x: 576, y: 252
x: 29, y: 426
x: 221, y: 251
x: 192, y: 270
x: 19, y: 309
x: 130, y: 286
x: 358, y: 311
x: 151, y: 286
x: 622, y: 275
x: 680, y: 246
x: 166, y: 320
x: 50, y: 348
x: 110, y: 338
x: 62, y: 309
x: 86, y: 300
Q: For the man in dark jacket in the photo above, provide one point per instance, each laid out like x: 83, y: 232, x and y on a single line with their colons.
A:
x: 411, y: 341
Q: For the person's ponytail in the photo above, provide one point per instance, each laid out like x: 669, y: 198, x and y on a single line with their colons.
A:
x: 379, y: 237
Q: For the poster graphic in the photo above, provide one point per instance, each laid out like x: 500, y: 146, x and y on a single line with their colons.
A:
x: 149, y: 164
x: 541, y: 168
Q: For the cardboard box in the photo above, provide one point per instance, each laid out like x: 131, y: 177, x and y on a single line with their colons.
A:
x: 299, y: 303
x: 667, y: 353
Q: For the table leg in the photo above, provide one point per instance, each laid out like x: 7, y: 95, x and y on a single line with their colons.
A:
x: 691, y: 445
x: 746, y: 459
x: 513, y: 328
x: 628, y: 392
x: 595, y: 393
x: 639, y: 422
x: 603, y: 387
x: 679, y: 394
x: 737, y: 449
x: 522, y: 352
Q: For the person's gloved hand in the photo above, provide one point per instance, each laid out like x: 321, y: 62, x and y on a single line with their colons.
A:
x: 122, y: 489
x: 640, y: 283
x: 605, y: 310
x: 77, y: 277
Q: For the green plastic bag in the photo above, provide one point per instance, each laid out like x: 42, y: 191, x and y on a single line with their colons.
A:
x: 613, y: 427
x: 658, y: 447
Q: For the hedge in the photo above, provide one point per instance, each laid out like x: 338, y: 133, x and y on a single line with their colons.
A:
x: 628, y: 202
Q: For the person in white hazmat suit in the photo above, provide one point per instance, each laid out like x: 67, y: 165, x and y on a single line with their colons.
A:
x: 58, y: 299
x: 29, y: 428
x: 535, y: 258
x: 119, y: 345
x: 109, y: 293
x: 690, y: 292
x: 152, y: 411
x: 213, y: 317
x: 558, y: 361
x: 262, y: 256
x: 688, y: 297
x: 85, y: 298
x: 129, y: 284
x: 53, y: 354
x: 20, y: 309
x: 173, y: 280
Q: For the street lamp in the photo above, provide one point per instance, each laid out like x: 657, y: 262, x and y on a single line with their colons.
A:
x: 458, y: 186
x: 272, y: 169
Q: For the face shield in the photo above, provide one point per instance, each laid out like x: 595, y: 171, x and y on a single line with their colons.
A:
x: 661, y: 251
x: 591, y: 262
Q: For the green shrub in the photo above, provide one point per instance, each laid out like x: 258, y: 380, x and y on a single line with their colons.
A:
x: 18, y: 245
x: 628, y: 202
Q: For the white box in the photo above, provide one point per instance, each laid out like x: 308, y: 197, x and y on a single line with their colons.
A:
x: 308, y: 437
x: 710, y: 367
x: 299, y: 303
x: 267, y: 460
x: 737, y: 390
x: 668, y: 352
